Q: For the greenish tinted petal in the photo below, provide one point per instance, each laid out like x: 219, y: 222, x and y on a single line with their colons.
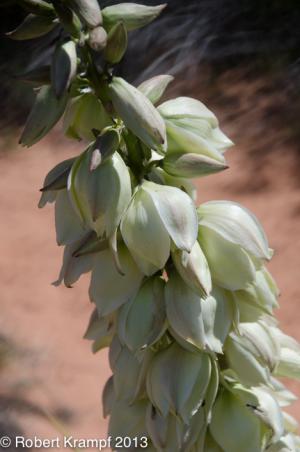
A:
x: 155, y: 87
x: 187, y: 107
x: 183, y: 140
x: 126, y: 373
x: 172, y: 378
x: 184, y: 311
x: 269, y: 412
x: 144, y: 232
x: 83, y: 114
x: 142, y: 320
x: 100, y: 330
x: 250, y: 371
x: 260, y: 341
x: 102, y: 195
x: 235, y: 224
x: 108, y: 397
x: 132, y: 14
x: 209, y: 312
x: 224, y: 258
x: 108, y: 289
x: 138, y: 114
x: 225, y: 316
x: 191, y: 165
x: 116, y: 43
x: 45, y: 113
x: 127, y: 419
x: 88, y: 11
x: 57, y: 178
x: 74, y: 267
x: 33, y: 27
x: 210, y: 445
x: 39, y: 7
x: 64, y: 67
x: 159, y: 176
x: 212, y: 390
x: 233, y: 426
x: 289, y: 364
x: 281, y: 393
x: 193, y: 269
x: 180, y: 223
x: 67, y: 224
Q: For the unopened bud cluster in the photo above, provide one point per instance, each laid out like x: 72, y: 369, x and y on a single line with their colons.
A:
x: 182, y: 296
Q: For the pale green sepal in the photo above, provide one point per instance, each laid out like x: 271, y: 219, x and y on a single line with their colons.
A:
x: 88, y: 11
x: 269, y: 412
x: 159, y: 176
x: 64, y: 67
x: 209, y: 313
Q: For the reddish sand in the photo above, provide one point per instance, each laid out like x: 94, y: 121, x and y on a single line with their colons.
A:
x: 51, y: 368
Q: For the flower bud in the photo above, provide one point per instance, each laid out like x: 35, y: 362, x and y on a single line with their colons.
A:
x: 138, y: 114
x: 133, y: 15
x: 116, y: 43
x: 250, y: 370
x: 178, y: 389
x: 151, y: 220
x: 192, y: 128
x: 141, y: 321
x: 193, y: 269
x: 97, y: 39
x: 88, y: 11
x: 45, y: 113
x: 64, y: 67
x: 106, y: 144
x: 109, y: 289
x: 83, y: 114
x: 191, y: 165
x: 155, y: 87
x: 101, y: 196
x: 231, y: 238
x: 32, y: 27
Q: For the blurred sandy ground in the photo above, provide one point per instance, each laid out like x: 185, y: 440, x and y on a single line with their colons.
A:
x: 49, y: 370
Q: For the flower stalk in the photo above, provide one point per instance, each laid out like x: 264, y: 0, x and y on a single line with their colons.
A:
x: 181, y: 293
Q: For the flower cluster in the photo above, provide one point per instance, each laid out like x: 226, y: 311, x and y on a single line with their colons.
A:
x: 182, y: 296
